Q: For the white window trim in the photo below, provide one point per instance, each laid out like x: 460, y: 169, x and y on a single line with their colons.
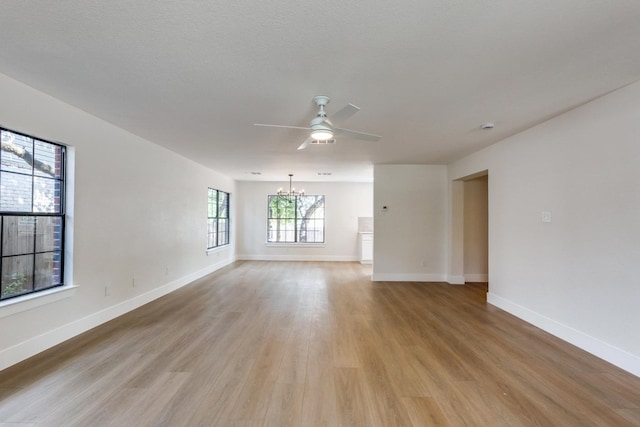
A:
x: 37, y: 299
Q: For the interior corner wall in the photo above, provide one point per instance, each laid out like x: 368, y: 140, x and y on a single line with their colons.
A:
x: 344, y: 203
x: 410, y: 223
x: 576, y: 276
x: 139, y: 223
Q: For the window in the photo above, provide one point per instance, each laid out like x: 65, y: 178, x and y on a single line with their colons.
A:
x: 32, y: 215
x: 297, y: 219
x: 218, y: 219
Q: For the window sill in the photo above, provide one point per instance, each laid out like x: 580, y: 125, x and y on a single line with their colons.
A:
x: 28, y: 302
x: 217, y: 249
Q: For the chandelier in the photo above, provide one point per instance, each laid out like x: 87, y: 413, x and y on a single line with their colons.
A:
x: 291, y: 193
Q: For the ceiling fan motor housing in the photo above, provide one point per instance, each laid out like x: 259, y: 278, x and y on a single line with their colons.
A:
x: 321, y: 100
x: 321, y: 129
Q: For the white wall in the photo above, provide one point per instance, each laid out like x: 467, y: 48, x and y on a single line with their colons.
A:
x: 140, y: 210
x: 344, y: 203
x: 475, y: 230
x: 139, y: 218
x: 578, y: 276
x: 410, y: 239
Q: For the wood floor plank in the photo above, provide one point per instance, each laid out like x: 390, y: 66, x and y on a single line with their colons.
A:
x: 425, y: 412
x: 285, y: 407
x: 319, y: 400
x: 150, y: 406
x: 317, y: 344
x: 354, y: 409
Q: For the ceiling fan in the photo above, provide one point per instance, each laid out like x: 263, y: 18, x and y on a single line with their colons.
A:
x: 323, y: 130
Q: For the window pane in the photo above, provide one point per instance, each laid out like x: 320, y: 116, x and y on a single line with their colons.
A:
x: 272, y: 207
x: 281, y: 207
x: 311, y: 231
x: 48, y: 234
x: 212, y: 204
x: 17, y: 235
x: 46, y: 195
x: 223, y: 204
x: 272, y: 230
x: 15, y: 149
x: 311, y: 206
x: 15, y: 192
x: 47, y: 270
x: 223, y: 232
x: 48, y: 159
x: 212, y: 233
x: 16, y: 275
x: 281, y: 230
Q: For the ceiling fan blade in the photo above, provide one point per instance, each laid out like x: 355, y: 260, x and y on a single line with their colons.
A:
x: 305, y: 144
x: 357, y: 135
x: 280, y: 126
x: 343, y: 114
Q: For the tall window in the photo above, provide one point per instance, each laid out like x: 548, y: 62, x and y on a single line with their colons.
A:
x: 31, y: 214
x: 297, y: 219
x: 218, y: 219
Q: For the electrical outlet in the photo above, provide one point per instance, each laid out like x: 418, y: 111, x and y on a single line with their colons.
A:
x: 107, y: 290
x: 545, y: 216
x: 133, y: 282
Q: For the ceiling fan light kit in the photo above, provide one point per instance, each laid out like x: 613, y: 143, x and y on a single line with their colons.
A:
x: 321, y: 134
x: 325, y: 142
x: 323, y: 130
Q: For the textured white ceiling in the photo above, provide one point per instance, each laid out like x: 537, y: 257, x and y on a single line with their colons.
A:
x: 194, y: 76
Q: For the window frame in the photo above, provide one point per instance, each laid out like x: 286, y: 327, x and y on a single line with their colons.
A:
x: 33, y: 216
x: 217, y: 220
x: 295, y: 220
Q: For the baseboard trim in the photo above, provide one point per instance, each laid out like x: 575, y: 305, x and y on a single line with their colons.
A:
x: 614, y: 355
x: 476, y: 278
x: 288, y: 257
x: 22, y: 351
x: 455, y: 280
x: 407, y: 277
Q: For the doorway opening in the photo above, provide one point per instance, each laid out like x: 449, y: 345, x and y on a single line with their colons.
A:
x: 470, y: 230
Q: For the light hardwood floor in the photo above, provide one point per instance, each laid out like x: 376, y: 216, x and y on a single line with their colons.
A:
x: 317, y: 344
